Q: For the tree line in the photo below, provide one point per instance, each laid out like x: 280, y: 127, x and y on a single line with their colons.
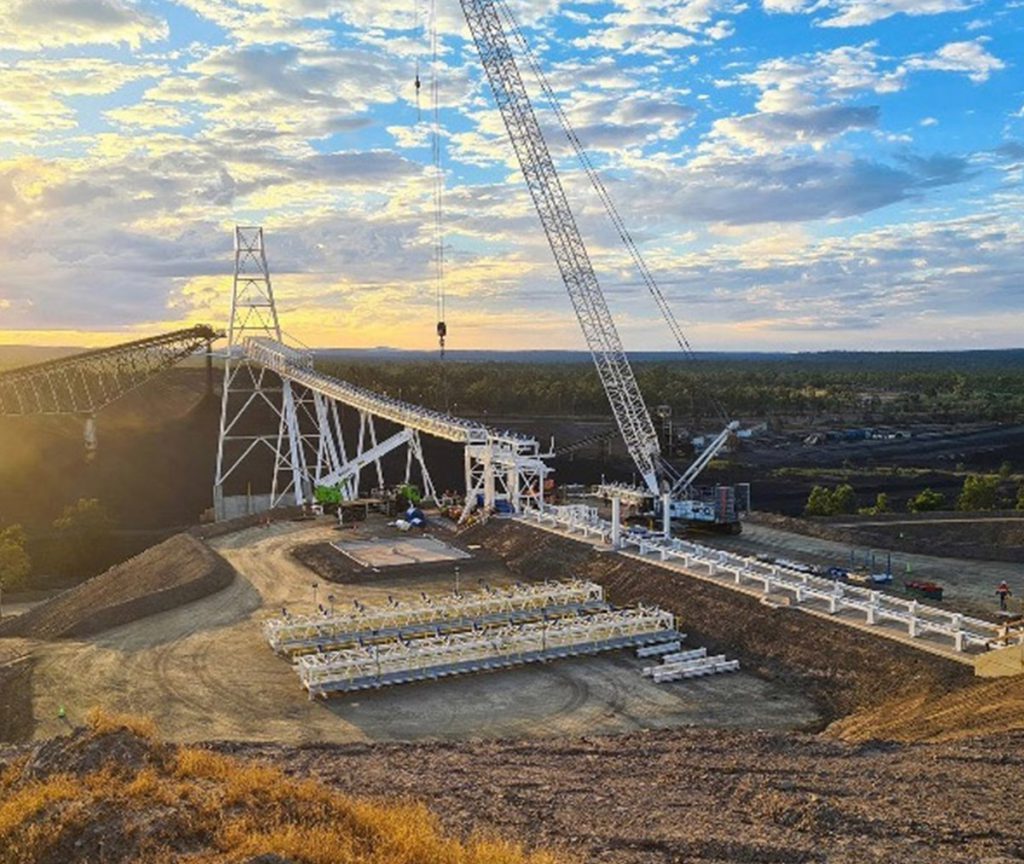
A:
x: 980, y: 492
x: 81, y: 544
x: 888, y: 388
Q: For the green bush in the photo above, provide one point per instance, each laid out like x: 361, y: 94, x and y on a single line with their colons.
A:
x: 926, y: 501
x: 980, y: 492
x: 14, y: 561
x: 327, y: 495
x: 84, y: 537
x: 831, y: 502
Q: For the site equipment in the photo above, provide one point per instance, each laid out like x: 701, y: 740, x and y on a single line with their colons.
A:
x: 661, y: 482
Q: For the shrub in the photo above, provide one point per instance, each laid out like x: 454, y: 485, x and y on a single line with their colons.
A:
x: 926, y: 501
x: 831, y: 502
x: 14, y: 561
x: 980, y: 492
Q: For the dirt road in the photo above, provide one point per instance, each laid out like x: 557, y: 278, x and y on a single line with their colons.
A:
x: 204, y: 671
x: 969, y: 585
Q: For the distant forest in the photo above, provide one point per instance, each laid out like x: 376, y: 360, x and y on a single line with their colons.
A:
x: 889, y: 387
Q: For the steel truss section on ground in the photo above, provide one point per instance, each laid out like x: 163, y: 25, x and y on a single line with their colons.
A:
x: 441, y: 656
x: 727, y: 568
x: 340, y: 641
x: 293, y: 634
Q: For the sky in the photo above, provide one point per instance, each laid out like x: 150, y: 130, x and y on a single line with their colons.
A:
x: 800, y: 174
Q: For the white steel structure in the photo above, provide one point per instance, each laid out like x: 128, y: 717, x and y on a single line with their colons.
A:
x: 275, y: 399
x: 258, y: 411
x: 441, y: 656
x: 293, y: 634
x: 805, y: 590
x: 689, y: 664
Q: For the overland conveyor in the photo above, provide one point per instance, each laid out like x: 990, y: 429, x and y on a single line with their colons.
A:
x: 298, y: 366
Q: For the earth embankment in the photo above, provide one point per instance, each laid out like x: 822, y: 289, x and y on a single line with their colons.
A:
x: 16, y: 722
x: 843, y: 669
x: 175, y: 572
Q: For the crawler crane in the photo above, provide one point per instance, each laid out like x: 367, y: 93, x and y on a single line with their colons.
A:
x: 663, y: 486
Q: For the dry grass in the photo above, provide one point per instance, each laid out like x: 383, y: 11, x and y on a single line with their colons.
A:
x: 199, y: 806
x: 103, y: 722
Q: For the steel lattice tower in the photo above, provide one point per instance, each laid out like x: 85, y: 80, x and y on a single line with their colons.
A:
x: 258, y: 408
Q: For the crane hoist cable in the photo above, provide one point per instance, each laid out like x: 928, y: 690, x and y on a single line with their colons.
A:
x: 438, y: 179
x: 418, y: 82
x: 602, y: 192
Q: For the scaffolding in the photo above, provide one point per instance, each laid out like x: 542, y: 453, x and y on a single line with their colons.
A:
x: 433, y: 657
x: 438, y: 615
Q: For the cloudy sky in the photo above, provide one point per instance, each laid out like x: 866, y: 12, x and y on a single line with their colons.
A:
x: 801, y: 174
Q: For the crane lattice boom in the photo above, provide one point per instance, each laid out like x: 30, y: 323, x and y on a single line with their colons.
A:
x: 563, y: 234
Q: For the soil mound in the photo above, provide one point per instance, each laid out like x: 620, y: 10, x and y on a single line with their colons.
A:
x: 175, y: 572
x: 16, y: 722
x: 983, y: 708
x: 113, y: 792
x: 704, y: 796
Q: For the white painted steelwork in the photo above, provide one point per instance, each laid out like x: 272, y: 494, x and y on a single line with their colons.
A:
x: 268, y: 381
x: 730, y: 569
x: 285, y: 634
x: 436, y: 657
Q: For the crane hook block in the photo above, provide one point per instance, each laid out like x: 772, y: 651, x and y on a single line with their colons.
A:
x: 442, y: 329
x: 418, y: 85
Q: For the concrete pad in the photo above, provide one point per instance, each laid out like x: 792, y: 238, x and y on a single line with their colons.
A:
x: 398, y: 551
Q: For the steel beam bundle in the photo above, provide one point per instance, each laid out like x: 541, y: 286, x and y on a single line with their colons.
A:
x: 441, y: 656
x: 87, y: 382
x: 690, y: 664
x: 292, y: 635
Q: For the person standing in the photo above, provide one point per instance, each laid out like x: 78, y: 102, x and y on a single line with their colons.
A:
x: 1004, y: 593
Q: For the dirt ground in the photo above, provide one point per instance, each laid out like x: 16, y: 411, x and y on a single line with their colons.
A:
x: 704, y: 796
x: 204, y: 671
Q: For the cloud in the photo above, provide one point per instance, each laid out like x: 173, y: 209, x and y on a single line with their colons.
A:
x: 774, y: 189
x: 770, y: 131
x: 970, y: 58
x: 859, y: 13
x: 31, y: 24
x: 640, y: 27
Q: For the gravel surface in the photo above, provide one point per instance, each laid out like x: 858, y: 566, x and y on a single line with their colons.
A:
x: 704, y: 796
